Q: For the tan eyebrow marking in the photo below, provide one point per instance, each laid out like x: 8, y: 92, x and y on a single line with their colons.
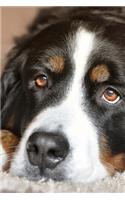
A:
x: 57, y: 63
x: 100, y: 73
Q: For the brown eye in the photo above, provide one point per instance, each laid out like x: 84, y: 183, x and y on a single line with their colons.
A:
x: 111, y: 96
x: 41, y: 81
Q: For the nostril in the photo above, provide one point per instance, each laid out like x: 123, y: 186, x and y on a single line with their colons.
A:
x: 54, y: 154
x: 51, y: 153
x: 53, y: 157
x: 33, y: 153
x: 32, y: 148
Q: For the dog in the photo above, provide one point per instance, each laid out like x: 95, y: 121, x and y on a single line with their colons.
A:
x: 63, y: 94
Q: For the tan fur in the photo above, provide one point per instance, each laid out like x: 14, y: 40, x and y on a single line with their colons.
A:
x: 57, y: 63
x: 9, y: 143
x: 100, y: 73
x: 113, y: 163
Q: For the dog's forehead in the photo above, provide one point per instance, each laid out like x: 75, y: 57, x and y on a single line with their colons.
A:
x: 59, y: 46
x: 78, y: 49
x: 55, y: 47
x: 73, y: 48
x: 66, y: 43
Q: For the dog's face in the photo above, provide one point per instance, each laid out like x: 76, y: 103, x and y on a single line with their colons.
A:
x: 72, y: 102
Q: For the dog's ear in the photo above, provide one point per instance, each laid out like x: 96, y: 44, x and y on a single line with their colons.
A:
x: 48, y: 16
x: 11, y: 87
x: 51, y: 15
x: 10, y: 79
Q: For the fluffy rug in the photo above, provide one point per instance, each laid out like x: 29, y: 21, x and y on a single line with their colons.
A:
x: 9, y: 183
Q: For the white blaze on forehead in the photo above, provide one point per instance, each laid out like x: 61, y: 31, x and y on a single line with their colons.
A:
x: 83, y: 47
x: 83, y: 164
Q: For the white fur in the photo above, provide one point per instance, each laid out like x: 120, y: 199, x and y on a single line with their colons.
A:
x: 3, y: 157
x: 83, y: 164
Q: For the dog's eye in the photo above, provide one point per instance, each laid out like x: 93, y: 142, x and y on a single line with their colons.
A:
x: 111, y: 96
x: 41, y: 81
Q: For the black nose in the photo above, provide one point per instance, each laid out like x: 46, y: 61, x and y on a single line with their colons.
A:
x: 47, y: 150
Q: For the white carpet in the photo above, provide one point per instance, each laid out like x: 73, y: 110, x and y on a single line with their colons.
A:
x: 16, y: 184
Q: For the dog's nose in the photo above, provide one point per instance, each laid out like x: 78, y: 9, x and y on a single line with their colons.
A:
x: 47, y: 150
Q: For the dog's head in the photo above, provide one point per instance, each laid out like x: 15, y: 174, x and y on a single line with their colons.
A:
x: 64, y: 92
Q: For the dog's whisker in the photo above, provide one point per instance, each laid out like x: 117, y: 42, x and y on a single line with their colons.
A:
x: 8, y: 154
x: 10, y: 160
x: 12, y: 146
x: 3, y: 154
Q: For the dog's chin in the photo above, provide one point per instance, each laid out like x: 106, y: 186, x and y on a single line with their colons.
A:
x: 63, y: 172
x: 43, y: 177
x: 33, y: 173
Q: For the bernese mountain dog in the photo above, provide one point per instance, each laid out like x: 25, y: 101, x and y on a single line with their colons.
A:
x: 63, y: 94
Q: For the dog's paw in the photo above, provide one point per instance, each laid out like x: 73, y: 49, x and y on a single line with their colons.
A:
x: 8, y: 144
